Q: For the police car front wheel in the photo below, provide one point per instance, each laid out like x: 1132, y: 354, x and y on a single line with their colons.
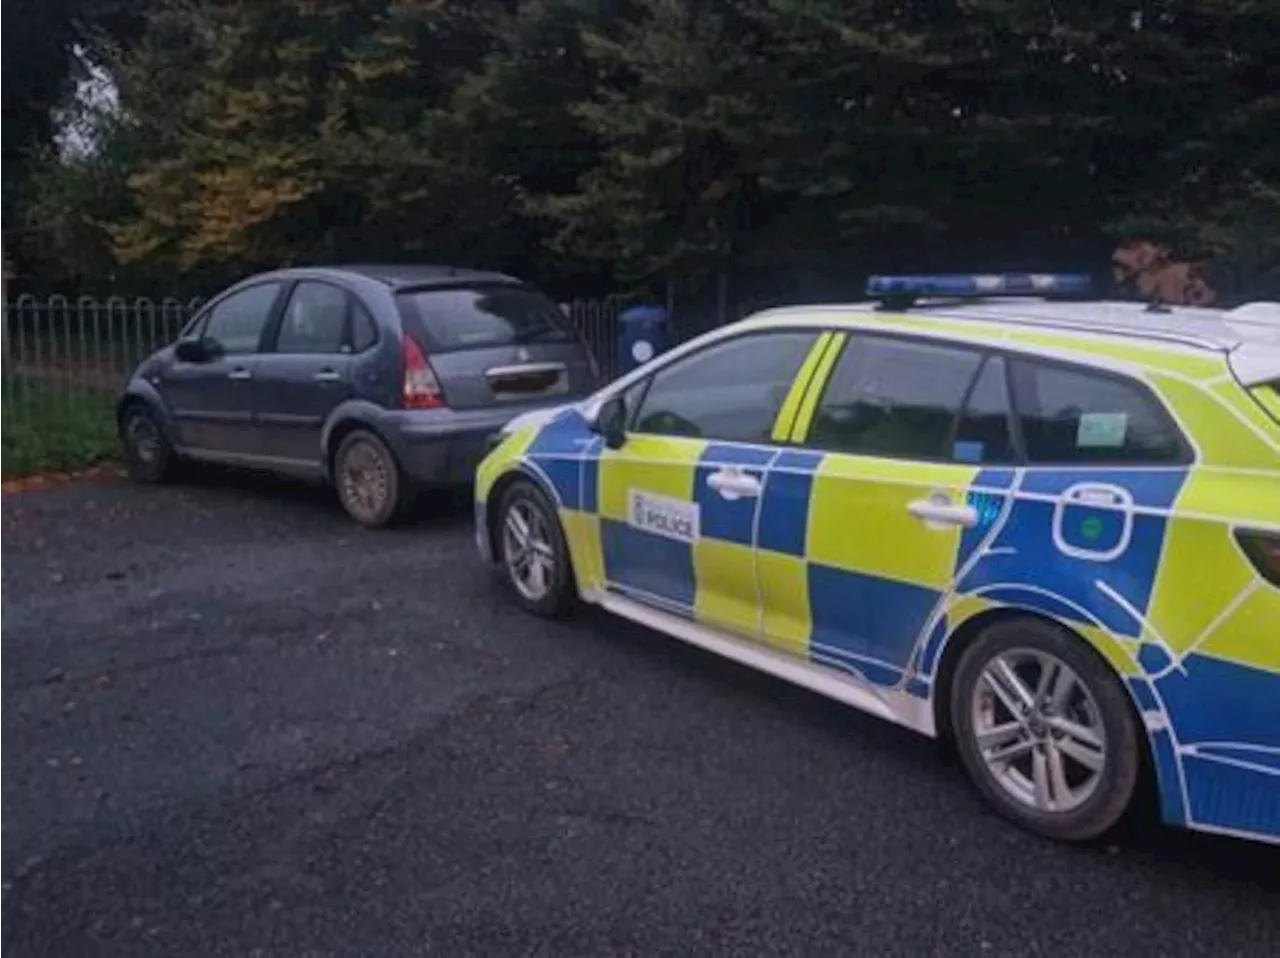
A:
x: 1045, y: 730
x: 531, y: 547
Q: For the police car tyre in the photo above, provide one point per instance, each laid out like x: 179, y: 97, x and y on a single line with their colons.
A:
x: 1045, y: 729
x: 533, y: 552
x: 368, y: 480
x: 148, y: 454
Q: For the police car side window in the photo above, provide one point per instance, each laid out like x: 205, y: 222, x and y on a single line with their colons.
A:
x: 731, y: 391
x: 890, y: 397
x: 983, y: 434
x: 1069, y: 415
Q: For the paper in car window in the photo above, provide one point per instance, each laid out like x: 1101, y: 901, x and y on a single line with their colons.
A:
x: 1101, y: 430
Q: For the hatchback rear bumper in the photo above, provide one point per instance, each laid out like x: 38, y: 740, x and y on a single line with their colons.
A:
x: 442, y: 447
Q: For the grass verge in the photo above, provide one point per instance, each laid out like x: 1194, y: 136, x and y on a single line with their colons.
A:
x: 47, y: 425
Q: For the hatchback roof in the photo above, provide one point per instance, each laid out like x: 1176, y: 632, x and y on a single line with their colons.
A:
x: 403, y: 275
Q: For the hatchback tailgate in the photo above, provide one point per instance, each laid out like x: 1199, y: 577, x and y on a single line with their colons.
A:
x: 497, y: 344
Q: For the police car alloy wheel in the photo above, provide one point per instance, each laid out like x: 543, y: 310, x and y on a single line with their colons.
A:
x: 534, y: 556
x: 1045, y: 730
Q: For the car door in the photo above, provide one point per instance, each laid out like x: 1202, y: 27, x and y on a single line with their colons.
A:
x: 862, y: 528
x: 212, y: 400
x: 678, y: 501
x: 304, y: 374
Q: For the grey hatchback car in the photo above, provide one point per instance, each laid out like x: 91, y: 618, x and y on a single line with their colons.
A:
x: 381, y: 380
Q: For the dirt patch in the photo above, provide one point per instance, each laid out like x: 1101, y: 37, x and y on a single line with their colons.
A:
x: 48, y: 480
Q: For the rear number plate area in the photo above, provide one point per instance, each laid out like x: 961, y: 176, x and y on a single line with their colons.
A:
x: 520, y: 382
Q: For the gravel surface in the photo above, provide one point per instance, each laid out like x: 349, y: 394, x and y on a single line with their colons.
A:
x: 234, y: 723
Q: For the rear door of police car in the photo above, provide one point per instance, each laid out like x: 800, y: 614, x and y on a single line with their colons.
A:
x: 896, y: 430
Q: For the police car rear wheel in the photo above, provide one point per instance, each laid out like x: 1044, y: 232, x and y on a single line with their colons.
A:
x: 1045, y: 730
x: 534, y: 555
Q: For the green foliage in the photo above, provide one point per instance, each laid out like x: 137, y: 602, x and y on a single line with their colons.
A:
x: 636, y: 140
x: 51, y: 425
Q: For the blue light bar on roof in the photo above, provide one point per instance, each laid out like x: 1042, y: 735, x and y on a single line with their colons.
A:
x: 977, y: 286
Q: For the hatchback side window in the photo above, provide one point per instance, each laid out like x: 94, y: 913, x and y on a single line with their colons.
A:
x: 1072, y: 415
x: 890, y: 397
x: 730, y: 391
x: 314, y: 321
x: 237, y: 322
x: 363, y: 333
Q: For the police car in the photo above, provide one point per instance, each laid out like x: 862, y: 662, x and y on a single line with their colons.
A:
x: 983, y: 507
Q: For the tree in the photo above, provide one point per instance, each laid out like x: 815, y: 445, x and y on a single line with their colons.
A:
x: 789, y: 145
x: 44, y: 48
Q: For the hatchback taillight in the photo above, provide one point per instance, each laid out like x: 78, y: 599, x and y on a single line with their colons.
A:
x: 1263, y: 550
x: 421, y: 389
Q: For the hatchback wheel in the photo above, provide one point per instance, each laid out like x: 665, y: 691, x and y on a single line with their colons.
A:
x: 535, y: 558
x: 368, y: 480
x: 1045, y: 730
x: 148, y: 455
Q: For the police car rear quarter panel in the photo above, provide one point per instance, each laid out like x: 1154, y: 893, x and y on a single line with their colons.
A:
x: 1199, y: 652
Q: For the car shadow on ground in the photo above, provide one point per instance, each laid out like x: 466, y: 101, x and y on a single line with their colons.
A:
x: 1140, y: 839
x: 434, y: 507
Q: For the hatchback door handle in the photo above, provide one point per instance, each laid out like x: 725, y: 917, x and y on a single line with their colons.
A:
x: 938, y: 510
x: 240, y: 374
x: 327, y: 376
x: 734, y: 484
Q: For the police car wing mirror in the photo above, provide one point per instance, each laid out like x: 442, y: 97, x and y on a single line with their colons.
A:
x: 611, y: 422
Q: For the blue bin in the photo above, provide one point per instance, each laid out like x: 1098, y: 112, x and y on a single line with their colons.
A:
x: 642, y: 335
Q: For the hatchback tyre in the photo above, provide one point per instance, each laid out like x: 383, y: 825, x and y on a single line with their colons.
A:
x: 534, y: 556
x: 1045, y: 730
x: 148, y: 455
x: 368, y: 480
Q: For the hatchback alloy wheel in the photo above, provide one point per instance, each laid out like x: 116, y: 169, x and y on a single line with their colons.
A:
x: 146, y: 450
x: 367, y: 479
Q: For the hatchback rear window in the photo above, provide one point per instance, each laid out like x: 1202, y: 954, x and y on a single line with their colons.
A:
x: 477, y: 317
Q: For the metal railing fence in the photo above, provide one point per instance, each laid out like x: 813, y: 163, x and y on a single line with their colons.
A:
x: 64, y: 352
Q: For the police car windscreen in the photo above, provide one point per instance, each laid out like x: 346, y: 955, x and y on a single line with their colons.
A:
x: 472, y: 317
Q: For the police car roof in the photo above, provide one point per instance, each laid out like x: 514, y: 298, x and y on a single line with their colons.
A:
x: 1251, y: 333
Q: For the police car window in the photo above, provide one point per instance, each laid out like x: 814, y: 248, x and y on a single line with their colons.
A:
x: 314, y: 321
x: 631, y: 398
x: 1075, y: 415
x: 236, y: 323
x: 983, y: 433
x: 889, y: 397
x: 730, y: 391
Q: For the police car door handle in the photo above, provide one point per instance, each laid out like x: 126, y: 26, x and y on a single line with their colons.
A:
x: 940, y: 510
x: 733, y: 484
